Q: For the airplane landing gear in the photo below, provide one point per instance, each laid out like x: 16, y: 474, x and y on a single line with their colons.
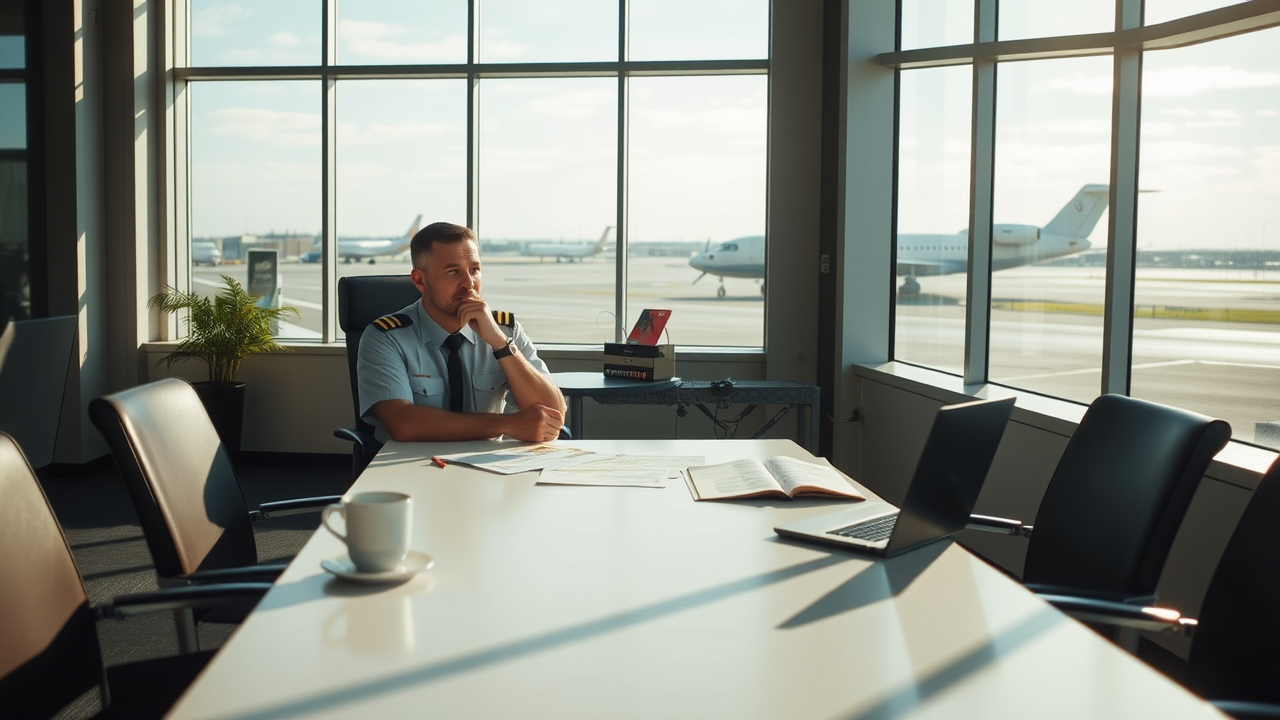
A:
x: 910, y: 286
x: 762, y: 289
x: 371, y: 261
x: 720, y: 290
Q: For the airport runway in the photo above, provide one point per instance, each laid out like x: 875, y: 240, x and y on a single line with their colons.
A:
x: 1046, y: 331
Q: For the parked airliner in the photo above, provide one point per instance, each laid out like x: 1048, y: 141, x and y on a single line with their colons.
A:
x: 568, y: 251
x: 370, y: 249
x: 918, y: 255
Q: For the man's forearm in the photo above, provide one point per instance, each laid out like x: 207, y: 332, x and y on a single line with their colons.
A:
x: 528, y: 386
x: 406, y: 422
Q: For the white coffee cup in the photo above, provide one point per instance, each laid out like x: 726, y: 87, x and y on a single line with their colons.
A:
x: 378, y: 526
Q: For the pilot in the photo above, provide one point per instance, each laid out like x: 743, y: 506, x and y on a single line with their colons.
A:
x: 501, y: 387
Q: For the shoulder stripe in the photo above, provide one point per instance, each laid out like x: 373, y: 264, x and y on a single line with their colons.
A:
x: 502, y: 317
x: 391, y: 322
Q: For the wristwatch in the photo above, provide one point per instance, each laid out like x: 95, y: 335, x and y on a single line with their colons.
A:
x: 505, y: 350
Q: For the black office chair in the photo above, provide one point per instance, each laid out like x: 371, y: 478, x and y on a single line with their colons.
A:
x: 185, y: 490
x: 361, y: 300
x: 50, y: 654
x: 35, y: 357
x: 1116, y: 499
x: 1234, y: 645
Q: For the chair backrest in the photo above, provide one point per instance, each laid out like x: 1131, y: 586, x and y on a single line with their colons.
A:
x: 1118, y: 495
x: 50, y: 653
x: 35, y: 356
x: 1233, y: 654
x: 361, y: 300
x: 179, y: 476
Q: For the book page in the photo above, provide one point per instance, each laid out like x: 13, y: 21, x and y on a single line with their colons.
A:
x: 798, y: 476
x: 740, y: 478
x: 512, y: 459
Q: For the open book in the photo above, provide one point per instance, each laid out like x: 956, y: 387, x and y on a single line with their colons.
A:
x: 779, y: 476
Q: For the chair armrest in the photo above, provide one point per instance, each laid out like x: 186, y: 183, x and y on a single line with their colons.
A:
x: 247, y: 574
x: 181, y: 598
x: 1085, y: 594
x: 1247, y: 710
x: 1003, y: 526
x: 1123, y: 614
x: 353, y: 435
x: 281, y: 508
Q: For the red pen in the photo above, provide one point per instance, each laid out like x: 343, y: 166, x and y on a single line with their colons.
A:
x: 437, y: 461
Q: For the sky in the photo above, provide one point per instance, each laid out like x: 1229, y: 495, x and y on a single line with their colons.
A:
x: 1210, y: 156
x: 547, y: 149
x: 547, y: 156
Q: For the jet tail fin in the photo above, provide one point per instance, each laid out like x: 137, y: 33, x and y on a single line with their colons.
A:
x: 1078, y: 217
x: 604, y: 238
x: 415, y: 227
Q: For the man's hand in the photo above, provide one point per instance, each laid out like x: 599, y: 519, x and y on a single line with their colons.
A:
x: 536, y: 423
x: 475, y: 312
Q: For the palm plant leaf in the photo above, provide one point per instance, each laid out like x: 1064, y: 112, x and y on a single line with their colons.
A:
x: 221, y: 331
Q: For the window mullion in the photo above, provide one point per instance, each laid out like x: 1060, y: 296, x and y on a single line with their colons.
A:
x: 977, y: 334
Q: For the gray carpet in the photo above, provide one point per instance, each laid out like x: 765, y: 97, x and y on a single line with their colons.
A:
x: 102, y: 528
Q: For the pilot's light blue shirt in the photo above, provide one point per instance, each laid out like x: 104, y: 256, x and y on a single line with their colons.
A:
x: 408, y: 363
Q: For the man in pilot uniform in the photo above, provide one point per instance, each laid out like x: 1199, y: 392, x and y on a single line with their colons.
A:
x: 406, y: 389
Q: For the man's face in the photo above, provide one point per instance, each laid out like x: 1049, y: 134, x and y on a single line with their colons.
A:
x: 447, y: 276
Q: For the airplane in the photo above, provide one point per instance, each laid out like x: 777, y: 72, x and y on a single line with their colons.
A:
x: 370, y: 249
x: 568, y: 251
x: 920, y: 255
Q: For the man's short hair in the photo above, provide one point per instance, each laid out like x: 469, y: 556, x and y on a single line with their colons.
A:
x: 438, y: 232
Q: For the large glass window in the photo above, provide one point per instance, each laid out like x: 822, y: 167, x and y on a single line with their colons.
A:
x: 528, y: 156
x: 1053, y: 139
x: 1208, y: 272
x: 548, y: 192
x: 1047, y: 18
x: 930, y: 23
x: 933, y: 216
x: 255, y: 181
x: 15, y: 287
x: 697, y: 189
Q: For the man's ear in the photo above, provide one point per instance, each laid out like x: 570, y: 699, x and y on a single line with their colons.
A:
x: 419, y: 279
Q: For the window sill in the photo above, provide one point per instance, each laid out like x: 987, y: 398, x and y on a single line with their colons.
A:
x: 1239, y: 463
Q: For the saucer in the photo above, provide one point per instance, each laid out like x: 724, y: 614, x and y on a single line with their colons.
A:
x: 414, y: 563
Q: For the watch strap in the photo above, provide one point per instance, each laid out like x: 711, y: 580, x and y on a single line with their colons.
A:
x: 505, y: 350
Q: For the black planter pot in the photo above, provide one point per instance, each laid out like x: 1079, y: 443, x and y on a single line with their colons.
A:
x: 225, y: 404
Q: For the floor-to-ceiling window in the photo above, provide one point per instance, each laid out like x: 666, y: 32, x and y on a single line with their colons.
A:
x: 15, y: 285
x: 327, y: 132
x: 1134, y: 199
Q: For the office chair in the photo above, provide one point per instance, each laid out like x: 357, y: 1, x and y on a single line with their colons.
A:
x: 361, y: 300
x: 1233, y: 642
x: 1114, y: 504
x: 35, y: 357
x: 50, y: 655
x: 185, y: 491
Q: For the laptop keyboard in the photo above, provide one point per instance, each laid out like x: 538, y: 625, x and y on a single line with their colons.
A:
x: 873, y: 530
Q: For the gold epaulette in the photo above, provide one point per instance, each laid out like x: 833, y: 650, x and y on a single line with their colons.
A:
x: 502, y: 317
x: 391, y: 322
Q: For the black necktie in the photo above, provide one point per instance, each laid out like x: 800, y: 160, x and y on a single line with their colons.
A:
x: 454, y: 369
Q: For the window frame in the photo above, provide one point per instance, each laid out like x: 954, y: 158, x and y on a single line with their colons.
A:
x: 176, y: 270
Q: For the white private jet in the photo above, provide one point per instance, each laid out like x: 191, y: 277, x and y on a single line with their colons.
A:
x: 1014, y: 245
x: 370, y: 249
x: 568, y: 251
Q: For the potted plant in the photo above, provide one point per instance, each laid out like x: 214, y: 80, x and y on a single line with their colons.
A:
x: 222, y: 331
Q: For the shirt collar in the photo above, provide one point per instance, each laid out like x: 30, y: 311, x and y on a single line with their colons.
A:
x: 430, y: 332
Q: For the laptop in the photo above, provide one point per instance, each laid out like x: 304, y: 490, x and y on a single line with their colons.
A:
x: 948, y: 477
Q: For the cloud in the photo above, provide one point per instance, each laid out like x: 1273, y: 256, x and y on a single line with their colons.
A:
x: 1158, y: 129
x: 1155, y: 154
x: 1179, y: 112
x: 1175, y: 82
x: 363, y: 40
x: 288, y: 129
x: 497, y: 49
x: 351, y: 134
x: 1079, y: 127
x: 285, y: 40
x: 217, y: 20
x: 1192, y: 80
x: 1266, y: 113
x: 578, y: 104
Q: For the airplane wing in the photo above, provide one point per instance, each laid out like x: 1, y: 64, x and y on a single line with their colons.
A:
x: 929, y: 267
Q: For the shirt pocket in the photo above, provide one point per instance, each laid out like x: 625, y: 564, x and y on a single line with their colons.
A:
x: 430, y: 388
x: 490, y: 382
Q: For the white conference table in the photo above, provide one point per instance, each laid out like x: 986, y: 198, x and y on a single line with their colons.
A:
x: 601, y: 602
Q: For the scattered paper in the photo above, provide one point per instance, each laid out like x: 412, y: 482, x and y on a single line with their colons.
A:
x: 523, y: 458
x: 621, y: 471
